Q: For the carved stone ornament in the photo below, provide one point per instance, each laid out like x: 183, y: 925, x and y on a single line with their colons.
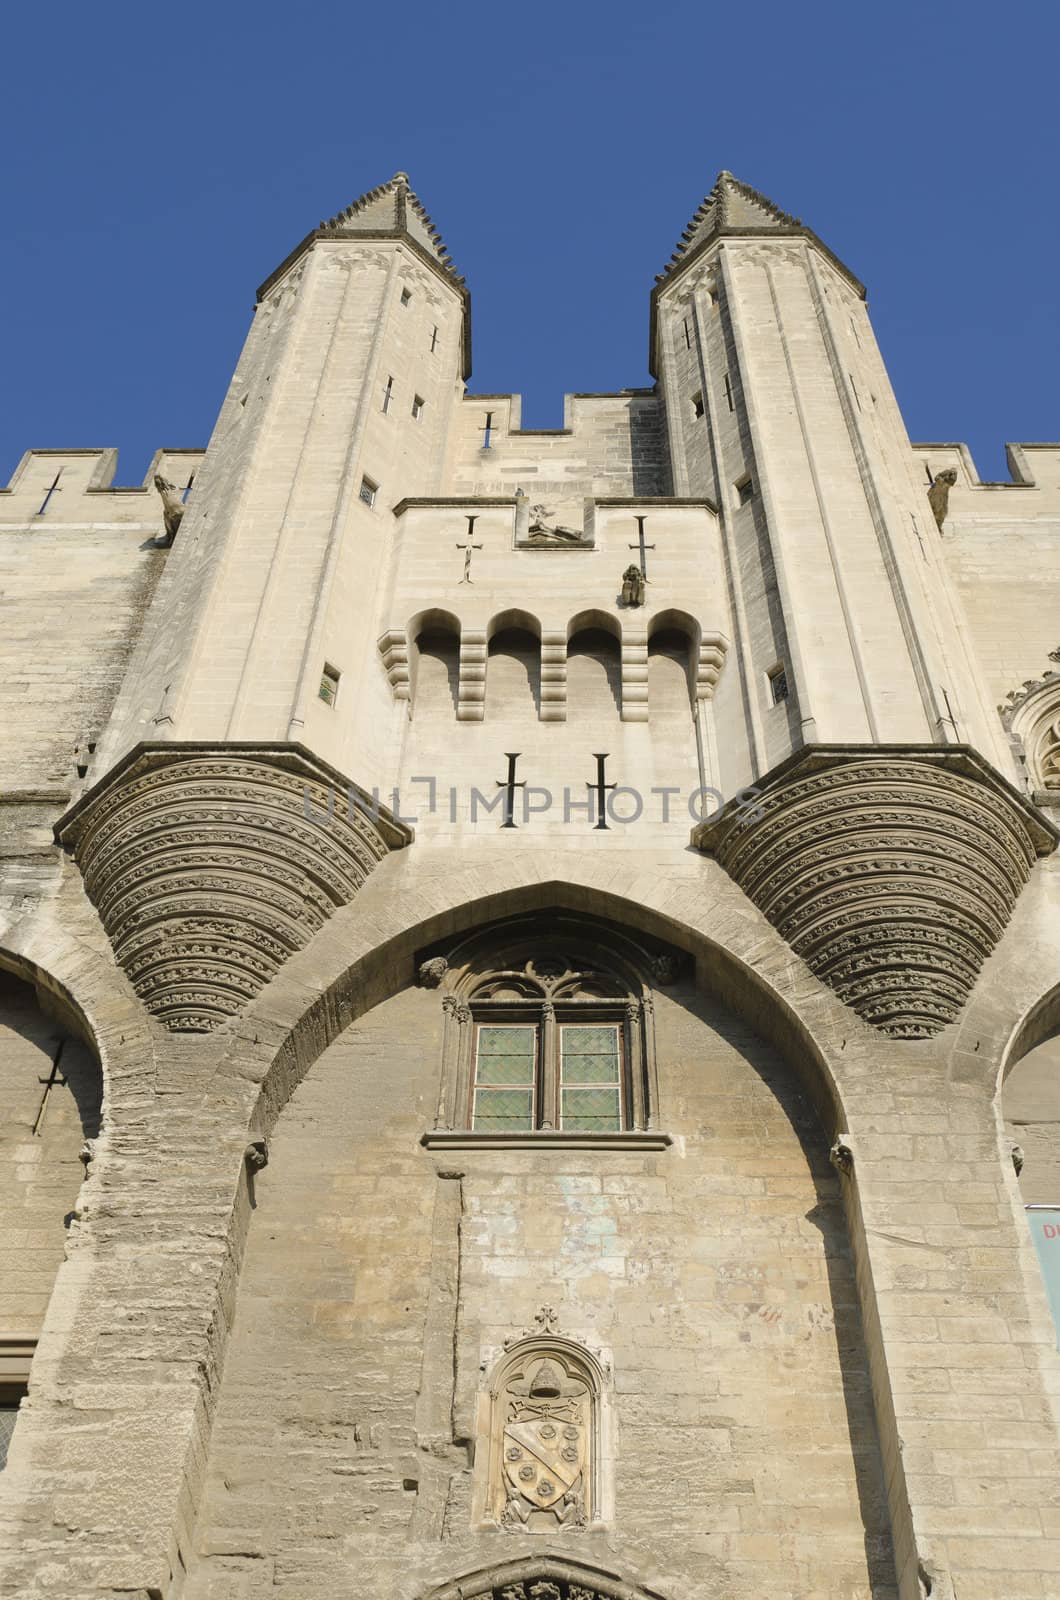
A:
x: 632, y: 586
x: 172, y: 508
x: 544, y: 1437
x: 1031, y: 716
x: 209, y: 866
x: 542, y: 1578
x: 536, y: 527
x: 891, y: 871
x: 432, y: 972
x: 939, y: 494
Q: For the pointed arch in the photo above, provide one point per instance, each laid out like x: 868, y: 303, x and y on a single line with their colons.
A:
x: 543, y: 1577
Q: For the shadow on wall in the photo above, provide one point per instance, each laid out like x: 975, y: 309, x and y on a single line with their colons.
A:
x: 750, y: 1298
x: 594, y: 675
x: 513, y: 674
x: 437, y: 673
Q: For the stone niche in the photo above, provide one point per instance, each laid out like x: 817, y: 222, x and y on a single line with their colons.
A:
x: 891, y: 871
x: 210, y: 865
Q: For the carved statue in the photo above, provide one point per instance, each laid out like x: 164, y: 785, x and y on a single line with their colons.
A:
x: 172, y: 508
x: 632, y: 586
x: 542, y: 531
x: 939, y: 493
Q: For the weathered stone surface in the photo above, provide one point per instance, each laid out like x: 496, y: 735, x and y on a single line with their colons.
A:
x: 209, y: 867
x: 892, y: 873
x: 275, y: 1322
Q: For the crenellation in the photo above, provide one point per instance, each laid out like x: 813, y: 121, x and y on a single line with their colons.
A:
x: 60, y: 486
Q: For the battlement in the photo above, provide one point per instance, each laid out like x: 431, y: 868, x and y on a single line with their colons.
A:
x: 76, y: 487
x: 1034, y: 467
x: 608, y: 444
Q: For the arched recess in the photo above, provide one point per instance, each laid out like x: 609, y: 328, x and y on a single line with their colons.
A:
x: 594, y: 667
x: 51, y: 1102
x: 542, y: 1577
x: 409, y: 1276
x: 513, y: 670
x: 672, y: 655
x: 390, y: 964
x: 1032, y: 717
x: 434, y: 637
x: 1030, y: 1100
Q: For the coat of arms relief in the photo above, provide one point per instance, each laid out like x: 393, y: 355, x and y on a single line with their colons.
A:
x: 546, y: 1444
x: 546, y: 1436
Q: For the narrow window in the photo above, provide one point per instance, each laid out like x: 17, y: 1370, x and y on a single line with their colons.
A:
x: 854, y: 331
x: 778, y: 683
x: 727, y: 381
x: 487, y: 430
x: 744, y: 491
x: 388, y: 395
x: 505, y: 1077
x: 854, y: 390
x: 590, y: 1078
x: 417, y: 406
x: 329, y: 684
x: 434, y: 338
x: 406, y: 296
x: 688, y: 336
x: 368, y: 491
x: 697, y: 404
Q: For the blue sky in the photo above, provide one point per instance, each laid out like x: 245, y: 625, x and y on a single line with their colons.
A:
x: 161, y: 161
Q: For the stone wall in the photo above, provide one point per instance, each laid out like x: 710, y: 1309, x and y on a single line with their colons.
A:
x: 381, y: 1279
x: 42, y: 1130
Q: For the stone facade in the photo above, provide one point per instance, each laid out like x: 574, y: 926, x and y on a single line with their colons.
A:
x: 524, y: 959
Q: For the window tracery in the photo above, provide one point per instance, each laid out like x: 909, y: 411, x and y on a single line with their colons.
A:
x: 548, y: 1029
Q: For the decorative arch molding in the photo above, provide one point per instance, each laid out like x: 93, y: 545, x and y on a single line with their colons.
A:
x: 1031, y: 716
x: 210, y: 864
x: 544, y: 1577
x: 892, y: 871
x: 327, y: 989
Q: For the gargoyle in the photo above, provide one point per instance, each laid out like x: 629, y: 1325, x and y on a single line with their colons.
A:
x: 939, y: 493
x: 172, y: 508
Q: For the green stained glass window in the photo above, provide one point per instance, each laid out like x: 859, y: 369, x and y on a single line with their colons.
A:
x: 505, y: 1071
x: 590, y: 1078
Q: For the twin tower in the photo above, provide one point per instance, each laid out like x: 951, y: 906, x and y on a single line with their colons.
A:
x: 731, y: 584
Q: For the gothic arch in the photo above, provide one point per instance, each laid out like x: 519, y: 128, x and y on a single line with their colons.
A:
x: 51, y: 1102
x: 1032, y: 717
x: 543, y: 1577
x: 317, y: 1015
